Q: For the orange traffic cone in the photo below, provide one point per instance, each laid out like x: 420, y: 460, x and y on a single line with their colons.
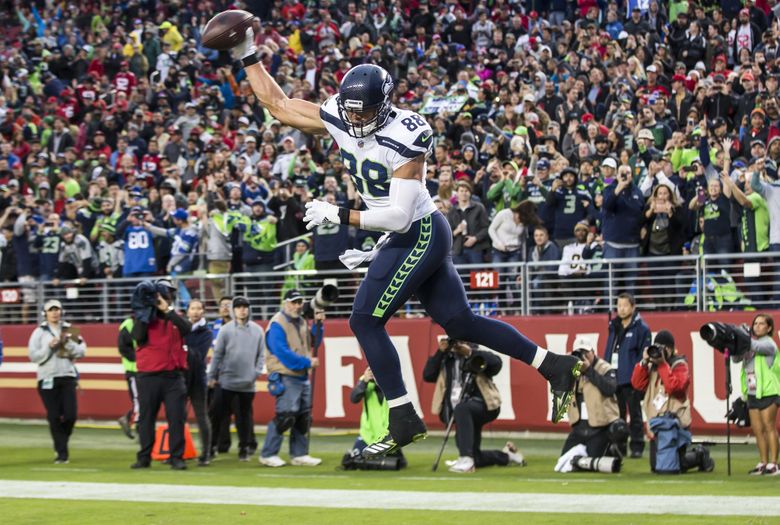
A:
x: 161, y: 450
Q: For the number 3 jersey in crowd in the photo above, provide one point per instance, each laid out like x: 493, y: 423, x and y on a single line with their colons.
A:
x: 372, y: 160
x: 139, y: 251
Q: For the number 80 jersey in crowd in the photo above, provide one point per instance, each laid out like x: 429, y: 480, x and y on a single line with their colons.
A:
x: 371, y: 161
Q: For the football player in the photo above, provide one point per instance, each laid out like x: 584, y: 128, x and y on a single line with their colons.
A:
x: 384, y: 149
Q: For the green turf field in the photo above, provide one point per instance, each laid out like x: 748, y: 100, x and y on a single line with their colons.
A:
x: 104, y: 455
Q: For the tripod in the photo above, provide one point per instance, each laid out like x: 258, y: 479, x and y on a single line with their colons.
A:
x: 466, y: 386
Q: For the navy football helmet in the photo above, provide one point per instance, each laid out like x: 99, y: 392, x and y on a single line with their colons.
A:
x: 365, y: 90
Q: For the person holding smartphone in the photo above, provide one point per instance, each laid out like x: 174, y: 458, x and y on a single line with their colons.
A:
x: 623, y: 206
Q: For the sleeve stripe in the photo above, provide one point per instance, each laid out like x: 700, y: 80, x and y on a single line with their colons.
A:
x: 397, y: 146
x: 332, y: 120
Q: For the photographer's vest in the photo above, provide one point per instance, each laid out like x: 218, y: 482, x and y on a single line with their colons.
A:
x: 601, y: 410
x: 767, y: 378
x: 485, y: 385
x: 658, y: 402
x: 127, y: 325
x: 298, y: 341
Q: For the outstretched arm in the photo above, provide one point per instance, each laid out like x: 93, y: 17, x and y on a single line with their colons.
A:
x: 295, y: 112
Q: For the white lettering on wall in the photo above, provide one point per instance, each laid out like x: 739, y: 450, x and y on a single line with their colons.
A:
x: 340, y: 377
x: 710, y: 407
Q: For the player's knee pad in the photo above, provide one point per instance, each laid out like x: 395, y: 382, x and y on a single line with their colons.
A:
x: 302, y: 422
x: 284, y: 421
x: 459, y: 326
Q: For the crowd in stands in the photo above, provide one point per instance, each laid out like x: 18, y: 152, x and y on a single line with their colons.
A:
x: 562, y: 129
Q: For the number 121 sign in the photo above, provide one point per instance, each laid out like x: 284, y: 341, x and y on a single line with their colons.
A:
x: 483, y: 280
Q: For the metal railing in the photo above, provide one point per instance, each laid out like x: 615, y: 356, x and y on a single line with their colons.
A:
x: 692, y: 283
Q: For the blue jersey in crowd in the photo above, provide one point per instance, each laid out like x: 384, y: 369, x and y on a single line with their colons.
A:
x: 139, y: 251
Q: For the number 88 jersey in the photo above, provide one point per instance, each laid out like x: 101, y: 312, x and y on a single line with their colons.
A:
x: 371, y: 161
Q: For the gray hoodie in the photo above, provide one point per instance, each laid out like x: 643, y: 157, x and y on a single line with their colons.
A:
x: 238, y: 356
x: 50, y: 365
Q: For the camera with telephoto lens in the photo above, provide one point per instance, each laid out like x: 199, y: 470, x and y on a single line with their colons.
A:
x: 655, y: 351
x: 724, y: 336
x: 324, y: 297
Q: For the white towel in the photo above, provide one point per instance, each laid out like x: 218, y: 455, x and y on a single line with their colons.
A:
x: 354, y: 258
x: 564, y: 462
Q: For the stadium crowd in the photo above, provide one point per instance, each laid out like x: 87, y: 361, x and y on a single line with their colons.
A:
x: 562, y: 131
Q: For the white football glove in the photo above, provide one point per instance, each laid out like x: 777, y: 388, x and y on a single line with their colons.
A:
x: 246, y: 47
x: 320, y: 212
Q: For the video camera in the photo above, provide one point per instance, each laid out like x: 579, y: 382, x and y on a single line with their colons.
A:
x: 723, y: 336
x: 324, y: 297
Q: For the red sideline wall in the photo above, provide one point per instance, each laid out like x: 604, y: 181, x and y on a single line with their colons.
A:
x: 526, y: 405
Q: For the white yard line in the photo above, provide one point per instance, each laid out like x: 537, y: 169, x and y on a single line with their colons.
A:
x: 401, y: 500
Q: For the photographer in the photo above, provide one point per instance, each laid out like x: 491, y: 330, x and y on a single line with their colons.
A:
x: 54, y: 346
x: 464, y: 390
x: 595, y: 407
x: 161, y: 360
x: 760, y: 380
x: 288, y: 355
x: 664, y: 378
x: 373, y: 426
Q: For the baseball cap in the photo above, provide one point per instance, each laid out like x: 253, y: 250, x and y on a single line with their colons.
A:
x: 584, y: 343
x: 543, y: 164
x: 651, y: 69
x: 240, y: 301
x: 293, y: 295
x: 665, y: 338
x: 52, y: 303
x: 645, y: 134
x: 609, y: 162
x: 180, y: 214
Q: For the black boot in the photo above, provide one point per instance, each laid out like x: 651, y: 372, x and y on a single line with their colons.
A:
x: 178, y: 464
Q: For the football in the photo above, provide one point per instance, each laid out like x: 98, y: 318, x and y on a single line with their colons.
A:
x: 227, y: 29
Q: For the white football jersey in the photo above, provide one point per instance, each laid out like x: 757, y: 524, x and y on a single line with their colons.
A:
x: 371, y: 161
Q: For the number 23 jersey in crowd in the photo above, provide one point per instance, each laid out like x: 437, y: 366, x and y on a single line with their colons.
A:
x: 371, y: 161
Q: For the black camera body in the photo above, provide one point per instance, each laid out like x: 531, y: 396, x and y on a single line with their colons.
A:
x: 655, y: 351
x: 724, y: 336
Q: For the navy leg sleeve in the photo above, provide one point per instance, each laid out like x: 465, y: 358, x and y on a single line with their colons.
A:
x: 400, y: 267
x: 444, y: 299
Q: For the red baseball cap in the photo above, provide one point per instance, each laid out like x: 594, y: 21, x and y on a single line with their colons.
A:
x: 744, y: 11
x: 678, y: 78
